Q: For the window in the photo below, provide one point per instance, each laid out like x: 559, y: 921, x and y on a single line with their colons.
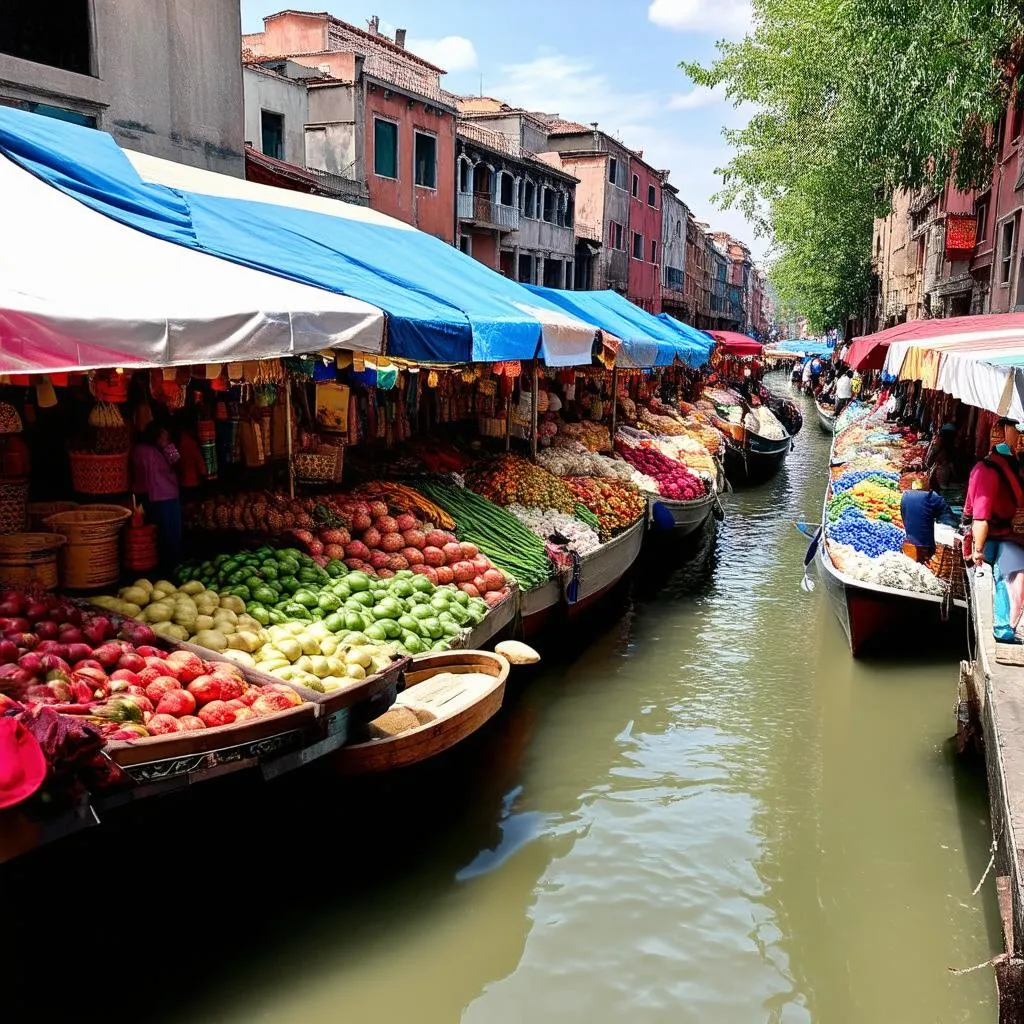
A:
x: 638, y: 246
x: 465, y: 176
x: 272, y: 127
x: 62, y: 40
x: 613, y: 170
x: 569, y: 204
x: 652, y: 196
x: 618, y: 236
x: 549, y: 205
x: 999, y: 134
x: 466, y: 244
x: 1018, y: 113
x: 507, y: 192
x: 385, y: 148
x: 636, y: 185
x: 1006, y: 252
x: 654, y: 251
x: 426, y: 160
x: 982, y: 230
x: 529, y: 199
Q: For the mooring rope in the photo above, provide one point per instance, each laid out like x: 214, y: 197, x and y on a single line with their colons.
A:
x: 995, y: 961
x: 993, y: 849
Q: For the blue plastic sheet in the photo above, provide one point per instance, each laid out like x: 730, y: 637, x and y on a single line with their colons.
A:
x: 646, y: 340
x: 698, y: 345
x: 442, y: 306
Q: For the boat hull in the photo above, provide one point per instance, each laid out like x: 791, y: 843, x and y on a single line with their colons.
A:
x: 756, y: 462
x: 603, y: 569
x: 881, y: 621
x: 826, y: 420
x: 687, y: 516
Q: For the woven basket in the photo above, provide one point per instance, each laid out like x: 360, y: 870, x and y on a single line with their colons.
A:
x: 323, y: 464
x: 92, y: 557
x: 29, y: 560
x: 99, y: 474
x: 39, y: 511
x: 13, y: 505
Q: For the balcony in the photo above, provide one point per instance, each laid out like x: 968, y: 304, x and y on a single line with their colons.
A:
x: 483, y: 212
x: 348, y: 190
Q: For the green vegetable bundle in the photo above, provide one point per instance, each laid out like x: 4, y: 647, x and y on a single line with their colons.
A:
x: 584, y: 514
x: 498, y: 534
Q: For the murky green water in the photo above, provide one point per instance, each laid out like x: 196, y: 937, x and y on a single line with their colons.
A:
x: 709, y: 814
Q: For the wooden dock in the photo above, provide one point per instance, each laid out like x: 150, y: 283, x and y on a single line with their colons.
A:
x: 990, y: 713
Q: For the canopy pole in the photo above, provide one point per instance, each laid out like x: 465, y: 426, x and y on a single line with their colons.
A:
x: 615, y: 402
x: 288, y: 429
x: 508, y: 423
x: 533, y: 437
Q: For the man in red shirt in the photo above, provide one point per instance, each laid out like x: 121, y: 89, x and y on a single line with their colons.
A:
x: 994, y: 496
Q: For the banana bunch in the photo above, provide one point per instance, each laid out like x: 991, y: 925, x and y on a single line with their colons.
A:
x: 106, y: 414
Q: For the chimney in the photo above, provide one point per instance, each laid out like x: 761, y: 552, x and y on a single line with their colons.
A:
x: 374, y: 24
x: 400, y: 37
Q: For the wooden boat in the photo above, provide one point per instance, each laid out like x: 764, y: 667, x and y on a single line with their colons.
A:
x: 826, y: 417
x: 539, y: 606
x: 756, y: 460
x: 602, y: 569
x: 881, y: 620
x: 451, y: 694
x: 687, y: 516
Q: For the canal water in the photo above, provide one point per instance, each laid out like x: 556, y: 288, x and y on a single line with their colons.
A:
x: 699, y: 810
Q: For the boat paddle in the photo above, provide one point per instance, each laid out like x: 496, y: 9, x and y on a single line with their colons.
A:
x: 807, y: 584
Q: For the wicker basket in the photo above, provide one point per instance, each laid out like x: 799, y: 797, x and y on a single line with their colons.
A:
x: 140, y: 548
x: 29, y: 560
x: 91, y: 557
x: 100, y: 474
x: 323, y: 464
x: 40, y: 511
x: 13, y: 505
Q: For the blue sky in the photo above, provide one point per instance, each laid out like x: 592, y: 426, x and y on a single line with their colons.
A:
x: 613, y: 62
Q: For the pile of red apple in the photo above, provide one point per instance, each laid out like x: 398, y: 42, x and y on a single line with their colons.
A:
x: 54, y: 654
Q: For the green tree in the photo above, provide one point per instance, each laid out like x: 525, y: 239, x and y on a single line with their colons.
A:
x: 854, y: 99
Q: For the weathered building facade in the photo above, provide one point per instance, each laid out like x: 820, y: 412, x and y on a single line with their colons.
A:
x: 516, y: 211
x: 674, y: 217
x: 377, y: 113
x: 163, y: 77
x: 643, y: 283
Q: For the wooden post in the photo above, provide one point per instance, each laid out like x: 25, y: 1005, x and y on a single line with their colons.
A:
x: 615, y: 404
x: 533, y: 435
x: 508, y: 423
x: 288, y: 434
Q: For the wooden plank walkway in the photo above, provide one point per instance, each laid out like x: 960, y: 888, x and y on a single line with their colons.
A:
x: 993, y: 687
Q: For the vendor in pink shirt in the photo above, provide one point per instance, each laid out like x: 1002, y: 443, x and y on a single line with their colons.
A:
x: 155, y: 480
x: 995, y: 494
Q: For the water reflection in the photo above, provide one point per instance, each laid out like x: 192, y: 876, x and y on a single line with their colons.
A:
x: 698, y: 808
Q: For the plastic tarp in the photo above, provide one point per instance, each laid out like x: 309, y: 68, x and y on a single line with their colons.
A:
x: 976, y: 359
x: 645, y: 340
x: 801, y: 348
x: 79, y: 290
x: 698, y: 345
x: 736, y: 344
x: 442, y: 306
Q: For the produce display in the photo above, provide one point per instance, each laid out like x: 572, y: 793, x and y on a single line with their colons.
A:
x: 570, y: 458
x: 504, y: 539
x: 550, y: 524
x: 514, y: 480
x: 190, y: 612
x: 891, y: 569
x: 257, y: 512
x: 766, y: 424
x: 591, y: 435
x: 76, y: 664
x: 674, y: 480
x: 616, y: 505
x: 405, y: 499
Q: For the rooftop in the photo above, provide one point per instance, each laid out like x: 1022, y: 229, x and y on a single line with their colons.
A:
x: 370, y: 37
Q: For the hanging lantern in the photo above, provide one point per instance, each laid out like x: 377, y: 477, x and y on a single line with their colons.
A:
x: 498, y: 369
x: 432, y: 379
x: 513, y: 368
x: 468, y: 375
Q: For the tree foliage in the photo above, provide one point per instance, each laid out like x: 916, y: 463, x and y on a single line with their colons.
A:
x: 854, y: 99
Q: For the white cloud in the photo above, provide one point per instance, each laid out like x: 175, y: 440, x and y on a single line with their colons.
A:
x: 452, y: 53
x: 699, y: 96
x: 671, y: 133
x: 732, y: 17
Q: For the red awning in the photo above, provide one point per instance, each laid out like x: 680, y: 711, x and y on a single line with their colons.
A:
x: 265, y: 170
x: 735, y: 344
x: 869, y: 352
